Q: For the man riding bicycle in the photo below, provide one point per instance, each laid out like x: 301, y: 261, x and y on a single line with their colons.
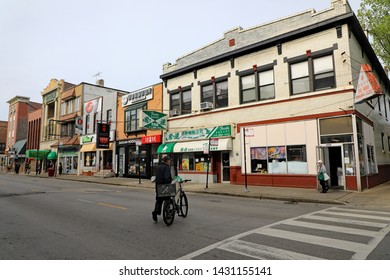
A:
x: 163, y: 176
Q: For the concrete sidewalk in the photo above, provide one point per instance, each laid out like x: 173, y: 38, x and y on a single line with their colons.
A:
x: 377, y: 197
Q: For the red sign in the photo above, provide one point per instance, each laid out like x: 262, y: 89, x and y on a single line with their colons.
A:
x: 213, y: 141
x: 154, y: 139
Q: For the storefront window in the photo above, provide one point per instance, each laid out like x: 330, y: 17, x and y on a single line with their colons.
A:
x: 90, y: 159
x: 363, y: 170
x: 194, y: 162
x: 259, y: 160
x: 349, y: 159
x: 336, y: 130
x: 296, y: 159
x: 371, y: 160
x: 137, y: 161
x: 279, y: 160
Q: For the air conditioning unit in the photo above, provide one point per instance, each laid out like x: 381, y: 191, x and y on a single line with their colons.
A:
x: 206, y: 105
x: 174, y: 112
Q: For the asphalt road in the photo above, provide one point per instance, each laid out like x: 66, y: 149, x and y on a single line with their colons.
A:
x: 46, y: 219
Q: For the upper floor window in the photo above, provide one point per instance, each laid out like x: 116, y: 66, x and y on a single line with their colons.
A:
x: 77, y: 104
x: 180, y: 102
x: 216, y: 93
x: 109, y: 116
x: 257, y: 86
x: 95, y: 120
x: 132, y: 121
x: 63, y: 108
x: 87, y: 123
x: 70, y: 106
x: 312, y: 74
x: 67, y: 130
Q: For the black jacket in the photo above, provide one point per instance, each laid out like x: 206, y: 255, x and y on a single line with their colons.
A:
x: 163, y: 174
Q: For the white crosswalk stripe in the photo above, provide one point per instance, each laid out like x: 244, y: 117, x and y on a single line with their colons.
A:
x: 262, y: 252
x: 320, y: 229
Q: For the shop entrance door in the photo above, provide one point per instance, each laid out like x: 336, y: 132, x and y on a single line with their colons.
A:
x: 332, y: 157
x: 335, y: 167
x: 225, y: 167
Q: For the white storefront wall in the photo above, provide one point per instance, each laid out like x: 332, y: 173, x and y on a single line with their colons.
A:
x: 282, y: 135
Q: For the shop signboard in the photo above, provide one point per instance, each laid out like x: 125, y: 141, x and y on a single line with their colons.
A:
x: 154, y: 120
x: 137, y: 96
x: 103, y: 136
x: 201, y: 133
x: 368, y: 86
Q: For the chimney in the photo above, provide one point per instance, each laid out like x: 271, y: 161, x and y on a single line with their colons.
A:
x: 100, y: 82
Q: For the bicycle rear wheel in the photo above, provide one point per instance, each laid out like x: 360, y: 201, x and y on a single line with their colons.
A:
x: 168, y: 211
x: 183, y: 203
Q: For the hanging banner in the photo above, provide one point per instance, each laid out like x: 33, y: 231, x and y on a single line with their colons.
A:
x: 93, y: 106
x: 368, y: 86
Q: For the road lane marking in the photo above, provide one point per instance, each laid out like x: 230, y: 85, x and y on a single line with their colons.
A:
x: 112, y: 206
x: 346, y: 230
x: 360, y: 251
x: 312, y: 239
x: 263, y: 252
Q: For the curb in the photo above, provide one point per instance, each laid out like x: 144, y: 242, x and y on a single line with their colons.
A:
x: 292, y: 200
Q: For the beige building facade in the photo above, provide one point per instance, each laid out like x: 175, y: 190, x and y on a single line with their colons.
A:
x: 262, y: 105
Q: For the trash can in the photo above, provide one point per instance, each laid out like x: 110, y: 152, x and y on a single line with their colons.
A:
x: 51, y: 172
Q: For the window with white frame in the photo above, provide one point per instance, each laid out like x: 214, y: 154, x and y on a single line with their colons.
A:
x: 63, y: 108
x: 70, y: 106
x: 77, y: 104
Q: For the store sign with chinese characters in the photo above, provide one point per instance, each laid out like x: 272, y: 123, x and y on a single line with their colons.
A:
x: 201, y: 133
x: 154, y: 139
x: 103, y: 136
x: 137, y: 96
x: 154, y: 120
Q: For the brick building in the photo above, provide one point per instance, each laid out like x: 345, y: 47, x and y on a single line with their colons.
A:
x: 17, y: 131
x: 3, y: 143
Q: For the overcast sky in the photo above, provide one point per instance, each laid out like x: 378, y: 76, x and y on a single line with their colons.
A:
x: 126, y: 41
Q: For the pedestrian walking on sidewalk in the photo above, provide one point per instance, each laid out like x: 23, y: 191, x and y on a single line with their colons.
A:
x: 322, y: 176
x: 163, y: 176
x: 60, y: 169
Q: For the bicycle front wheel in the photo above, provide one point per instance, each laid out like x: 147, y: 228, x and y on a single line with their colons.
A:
x: 168, y: 211
x: 183, y: 205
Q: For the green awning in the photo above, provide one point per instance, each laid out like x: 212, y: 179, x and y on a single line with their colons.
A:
x: 37, y: 154
x: 52, y: 155
x: 165, y: 148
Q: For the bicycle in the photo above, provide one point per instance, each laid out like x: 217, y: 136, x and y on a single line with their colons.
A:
x: 175, y: 201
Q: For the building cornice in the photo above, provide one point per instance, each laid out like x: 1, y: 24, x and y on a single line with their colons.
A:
x: 347, y: 18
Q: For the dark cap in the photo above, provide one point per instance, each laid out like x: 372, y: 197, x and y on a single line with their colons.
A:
x: 166, y: 158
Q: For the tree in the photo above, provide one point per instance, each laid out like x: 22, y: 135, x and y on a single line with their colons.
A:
x: 374, y: 16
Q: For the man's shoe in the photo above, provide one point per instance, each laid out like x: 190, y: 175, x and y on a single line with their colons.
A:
x: 154, y: 216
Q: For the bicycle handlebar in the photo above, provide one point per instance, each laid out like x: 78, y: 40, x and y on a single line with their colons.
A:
x: 186, y: 180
